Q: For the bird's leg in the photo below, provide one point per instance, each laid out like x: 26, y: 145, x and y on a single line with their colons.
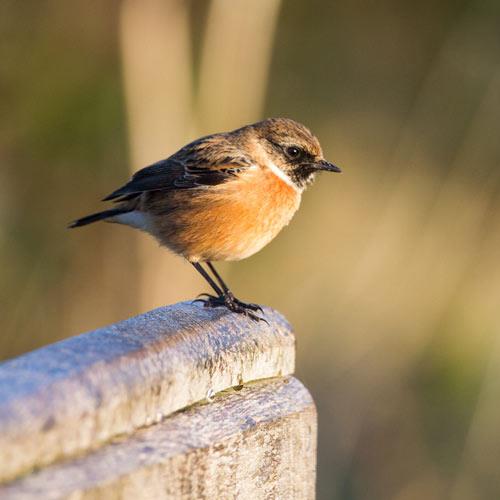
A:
x: 211, y: 282
x: 228, y: 295
x: 224, y: 297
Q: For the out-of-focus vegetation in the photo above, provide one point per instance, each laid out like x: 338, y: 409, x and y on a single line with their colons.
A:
x: 390, y: 273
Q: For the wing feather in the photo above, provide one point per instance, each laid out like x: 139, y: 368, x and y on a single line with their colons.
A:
x: 206, y: 162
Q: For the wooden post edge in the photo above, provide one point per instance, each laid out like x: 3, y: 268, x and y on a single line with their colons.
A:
x: 69, y: 398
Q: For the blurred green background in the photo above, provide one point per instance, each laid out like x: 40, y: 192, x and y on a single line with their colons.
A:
x: 390, y: 273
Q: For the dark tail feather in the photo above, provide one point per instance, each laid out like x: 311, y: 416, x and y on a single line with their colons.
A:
x: 98, y: 216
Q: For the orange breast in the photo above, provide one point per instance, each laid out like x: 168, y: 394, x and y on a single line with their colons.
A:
x: 230, y: 221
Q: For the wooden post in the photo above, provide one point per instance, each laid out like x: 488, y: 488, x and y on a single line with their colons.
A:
x: 181, y: 402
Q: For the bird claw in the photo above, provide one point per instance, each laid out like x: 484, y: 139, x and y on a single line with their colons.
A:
x: 242, y: 308
x: 231, y: 303
x: 237, y: 306
x: 207, y: 295
x: 249, y: 305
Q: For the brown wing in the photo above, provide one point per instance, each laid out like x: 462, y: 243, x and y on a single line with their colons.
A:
x: 208, y: 161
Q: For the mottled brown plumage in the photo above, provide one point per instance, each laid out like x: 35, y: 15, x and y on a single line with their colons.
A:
x: 223, y: 196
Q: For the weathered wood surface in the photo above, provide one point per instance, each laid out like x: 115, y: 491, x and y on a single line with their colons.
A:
x: 70, y: 397
x: 256, y: 443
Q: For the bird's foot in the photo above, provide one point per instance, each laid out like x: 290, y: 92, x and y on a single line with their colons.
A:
x: 232, y: 303
x: 248, y: 305
x: 239, y: 307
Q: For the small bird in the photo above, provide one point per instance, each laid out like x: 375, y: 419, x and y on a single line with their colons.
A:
x: 222, y: 197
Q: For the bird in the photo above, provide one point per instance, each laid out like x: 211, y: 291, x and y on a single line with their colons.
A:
x: 222, y: 197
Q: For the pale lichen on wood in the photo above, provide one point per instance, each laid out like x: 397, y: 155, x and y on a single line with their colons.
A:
x: 82, y: 411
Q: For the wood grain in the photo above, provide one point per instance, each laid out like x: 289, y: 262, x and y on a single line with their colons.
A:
x: 259, y: 442
x: 73, y: 396
x: 256, y: 443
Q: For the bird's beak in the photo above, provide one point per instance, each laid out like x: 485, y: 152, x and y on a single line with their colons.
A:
x: 326, y: 165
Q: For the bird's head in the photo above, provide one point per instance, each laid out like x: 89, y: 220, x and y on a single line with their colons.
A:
x: 292, y: 148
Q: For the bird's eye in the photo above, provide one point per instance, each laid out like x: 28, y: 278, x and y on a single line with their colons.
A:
x: 293, y: 152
